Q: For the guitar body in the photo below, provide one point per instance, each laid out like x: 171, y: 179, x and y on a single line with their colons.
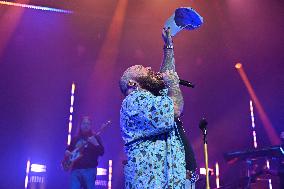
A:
x: 72, y: 157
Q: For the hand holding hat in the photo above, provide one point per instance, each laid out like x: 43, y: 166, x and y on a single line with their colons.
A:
x: 166, y: 34
x: 183, y: 18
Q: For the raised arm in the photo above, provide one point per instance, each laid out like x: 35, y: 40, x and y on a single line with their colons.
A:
x: 168, y: 62
x: 168, y: 70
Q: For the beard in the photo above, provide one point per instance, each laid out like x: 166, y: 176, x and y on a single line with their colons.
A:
x: 152, y: 85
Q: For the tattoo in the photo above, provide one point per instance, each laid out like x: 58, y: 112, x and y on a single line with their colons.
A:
x: 176, y: 95
x: 168, y: 60
x: 174, y: 90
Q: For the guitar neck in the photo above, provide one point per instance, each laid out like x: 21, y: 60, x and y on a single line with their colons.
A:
x: 102, y: 128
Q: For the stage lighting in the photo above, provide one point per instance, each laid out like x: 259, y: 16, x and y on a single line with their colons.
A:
x: 35, y: 176
x: 238, y: 65
x: 37, y: 168
x: 44, y: 8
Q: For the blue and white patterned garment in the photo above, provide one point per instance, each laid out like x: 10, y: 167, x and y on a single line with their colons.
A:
x: 155, y: 153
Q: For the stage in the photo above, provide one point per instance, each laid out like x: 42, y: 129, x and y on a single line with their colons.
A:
x: 235, y: 59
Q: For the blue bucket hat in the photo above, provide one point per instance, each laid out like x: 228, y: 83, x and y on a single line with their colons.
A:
x: 183, y: 18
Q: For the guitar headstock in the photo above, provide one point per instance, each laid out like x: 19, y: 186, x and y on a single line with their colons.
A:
x: 106, y: 124
x: 103, y: 127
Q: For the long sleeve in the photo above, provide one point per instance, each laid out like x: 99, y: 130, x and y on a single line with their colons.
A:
x: 99, y: 148
x: 72, y: 144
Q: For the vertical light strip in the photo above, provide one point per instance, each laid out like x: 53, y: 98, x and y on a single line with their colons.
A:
x: 109, y: 174
x: 71, y: 113
x: 253, y: 124
x: 27, y: 174
x: 267, y: 164
x: 217, y: 175
x: 268, y: 167
x: 270, y: 184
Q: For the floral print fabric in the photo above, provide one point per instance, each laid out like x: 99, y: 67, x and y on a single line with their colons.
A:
x: 155, y: 153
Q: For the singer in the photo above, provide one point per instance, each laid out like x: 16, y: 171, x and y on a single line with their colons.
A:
x: 155, y: 152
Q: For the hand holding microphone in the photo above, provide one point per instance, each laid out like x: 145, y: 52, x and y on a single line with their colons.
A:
x: 172, y: 75
x: 169, y: 65
x: 170, y: 78
x: 186, y: 83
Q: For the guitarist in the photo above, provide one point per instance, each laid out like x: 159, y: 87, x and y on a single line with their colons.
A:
x: 84, y: 169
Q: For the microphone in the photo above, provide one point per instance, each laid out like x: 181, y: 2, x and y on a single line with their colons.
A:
x: 186, y: 83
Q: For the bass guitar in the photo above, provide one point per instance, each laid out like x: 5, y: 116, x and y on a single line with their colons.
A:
x: 71, y: 157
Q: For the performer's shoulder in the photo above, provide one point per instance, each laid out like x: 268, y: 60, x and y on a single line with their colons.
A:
x: 138, y: 95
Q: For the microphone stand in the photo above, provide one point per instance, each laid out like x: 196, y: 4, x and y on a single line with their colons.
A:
x: 203, y: 126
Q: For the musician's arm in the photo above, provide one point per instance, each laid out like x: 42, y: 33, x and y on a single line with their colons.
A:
x: 69, y: 148
x: 67, y: 153
x: 101, y: 147
x: 172, y: 82
x: 168, y: 67
x: 96, y: 143
x: 168, y: 62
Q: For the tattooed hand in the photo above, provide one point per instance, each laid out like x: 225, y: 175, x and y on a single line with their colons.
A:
x: 168, y: 62
x: 170, y: 78
x: 166, y: 34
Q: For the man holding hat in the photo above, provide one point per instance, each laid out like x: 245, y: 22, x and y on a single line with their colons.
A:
x: 153, y: 101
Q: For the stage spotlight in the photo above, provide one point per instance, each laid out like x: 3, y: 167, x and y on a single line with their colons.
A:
x: 35, y: 176
x: 37, y: 168
x: 238, y: 65
x: 202, y: 171
x: 35, y: 7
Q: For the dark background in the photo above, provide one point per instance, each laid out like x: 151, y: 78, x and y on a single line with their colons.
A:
x: 42, y: 53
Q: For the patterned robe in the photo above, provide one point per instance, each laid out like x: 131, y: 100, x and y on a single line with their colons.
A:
x: 155, y: 153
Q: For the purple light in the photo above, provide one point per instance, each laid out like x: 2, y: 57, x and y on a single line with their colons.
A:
x: 36, y: 7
